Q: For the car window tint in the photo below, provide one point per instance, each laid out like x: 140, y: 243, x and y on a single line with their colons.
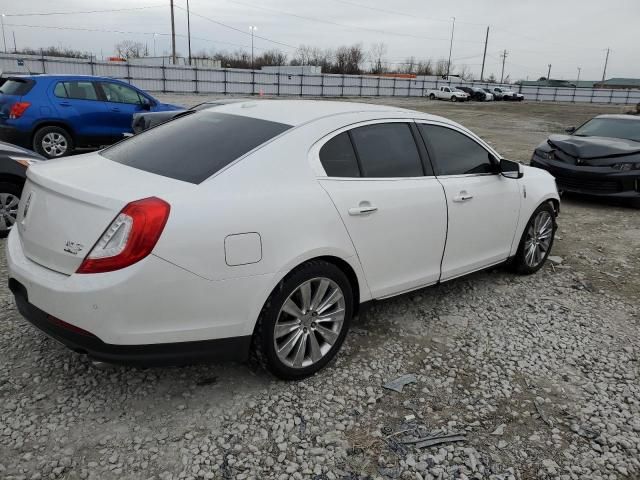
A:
x: 387, y: 150
x: 60, y: 91
x: 114, y: 92
x: 81, y: 90
x: 456, y: 153
x: 338, y: 158
x: 194, y: 147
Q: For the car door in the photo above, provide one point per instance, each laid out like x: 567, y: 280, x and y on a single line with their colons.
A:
x: 391, y: 204
x: 483, y: 205
x: 122, y: 102
x: 79, y: 105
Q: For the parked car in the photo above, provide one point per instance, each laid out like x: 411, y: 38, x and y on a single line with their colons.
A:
x: 145, y: 120
x: 600, y: 158
x: 483, y: 94
x: 501, y: 93
x: 14, y: 162
x: 169, y: 254
x: 57, y: 114
x: 447, y: 93
x: 471, y: 95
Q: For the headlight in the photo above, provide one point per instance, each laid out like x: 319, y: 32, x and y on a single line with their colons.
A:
x: 623, y: 167
x: 550, y: 155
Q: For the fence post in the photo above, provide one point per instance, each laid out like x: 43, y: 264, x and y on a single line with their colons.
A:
x: 224, y: 81
x: 322, y: 84
x: 278, y: 83
x: 378, y: 88
x: 195, y: 72
x: 301, y: 82
x: 361, y: 79
x: 342, y: 86
x: 422, y: 94
x: 611, y: 96
x: 44, y: 69
x: 409, y: 91
x: 555, y: 94
x: 626, y: 102
x: 395, y: 81
x: 164, y: 78
x: 592, y: 92
x: 91, y: 65
x: 538, y: 93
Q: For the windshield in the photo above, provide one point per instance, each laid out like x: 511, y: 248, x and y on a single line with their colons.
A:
x: 15, y: 86
x: 628, y: 129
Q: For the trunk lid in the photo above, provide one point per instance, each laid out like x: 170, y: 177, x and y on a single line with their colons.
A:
x: 67, y: 205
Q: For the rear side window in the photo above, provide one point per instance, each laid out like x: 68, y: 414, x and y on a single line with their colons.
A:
x: 15, y: 86
x: 194, y: 147
x: 338, y: 158
x: 455, y: 153
x: 387, y: 150
x: 76, y: 90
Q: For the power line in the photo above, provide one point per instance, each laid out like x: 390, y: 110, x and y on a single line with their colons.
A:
x: 46, y: 14
x: 343, y: 25
x: 234, y: 28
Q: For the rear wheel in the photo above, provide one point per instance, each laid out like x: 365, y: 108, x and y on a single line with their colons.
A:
x: 304, y: 322
x: 537, y: 240
x: 53, y: 142
x: 9, y: 199
x: 432, y: 97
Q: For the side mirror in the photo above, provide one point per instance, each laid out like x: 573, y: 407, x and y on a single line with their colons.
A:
x: 570, y: 129
x: 510, y: 169
x: 145, y: 105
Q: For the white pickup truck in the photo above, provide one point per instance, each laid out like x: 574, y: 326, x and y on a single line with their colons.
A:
x: 447, y: 93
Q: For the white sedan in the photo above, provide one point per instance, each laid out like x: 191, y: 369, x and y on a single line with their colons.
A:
x: 262, y: 226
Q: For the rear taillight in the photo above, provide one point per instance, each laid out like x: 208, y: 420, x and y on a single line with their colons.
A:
x: 18, y: 109
x: 131, y: 236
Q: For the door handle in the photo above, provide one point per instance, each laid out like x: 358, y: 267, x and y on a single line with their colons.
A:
x: 114, y: 109
x: 363, y: 210
x: 64, y: 104
x: 463, y: 196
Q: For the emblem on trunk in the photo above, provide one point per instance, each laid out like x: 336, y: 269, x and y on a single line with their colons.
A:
x: 73, y: 247
x: 25, y: 210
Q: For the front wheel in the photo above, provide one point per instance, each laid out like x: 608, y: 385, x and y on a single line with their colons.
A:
x: 305, y: 320
x: 432, y: 97
x: 454, y: 99
x: 537, y: 240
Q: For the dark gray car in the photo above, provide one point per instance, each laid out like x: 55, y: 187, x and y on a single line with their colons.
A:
x: 145, y: 120
x: 14, y: 162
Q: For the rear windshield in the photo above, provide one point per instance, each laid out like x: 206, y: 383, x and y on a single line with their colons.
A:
x: 16, y: 86
x: 194, y: 147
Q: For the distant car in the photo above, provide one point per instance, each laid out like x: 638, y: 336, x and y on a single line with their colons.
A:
x: 474, y: 93
x: 171, y: 246
x: 145, y: 120
x: 485, y: 95
x: 501, y: 93
x: 600, y: 158
x: 447, y: 93
x: 56, y: 114
x: 14, y: 162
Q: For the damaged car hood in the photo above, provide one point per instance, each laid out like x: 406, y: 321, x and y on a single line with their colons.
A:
x: 593, y: 147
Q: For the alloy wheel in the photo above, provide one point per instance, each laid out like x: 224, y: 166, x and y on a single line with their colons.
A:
x: 8, y: 210
x: 54, y: 144
x: 309, y: 322
x: 538, y: 240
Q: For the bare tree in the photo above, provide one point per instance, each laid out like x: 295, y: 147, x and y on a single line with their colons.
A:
x: 130, y: 49
x: 492, y: 78
x: 424, y: 67
x: 465, y: 73
x: 441, y: 67
x: 409, y: 65
x: 55, y: 52
x: 376, y: 56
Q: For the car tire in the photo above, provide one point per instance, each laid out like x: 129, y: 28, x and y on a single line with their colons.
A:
x: 9, y: 197
x: 53, y: 142
x: 454, y: 99
x: 293, y: 342
x: 537, y: 240
x: 432, y: 97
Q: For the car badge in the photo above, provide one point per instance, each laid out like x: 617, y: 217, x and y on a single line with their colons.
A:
x: 73, y: 247
x: 25, y: 210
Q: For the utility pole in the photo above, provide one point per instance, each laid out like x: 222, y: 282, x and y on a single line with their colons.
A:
x: 173, y: 36
x: 504, y: 58
x: 453, y: 27
x: 484, y: 57
x: 578, y: 79
x: 189, y: 31
x: 549, y: 73
x: 3, y: 38
x: 253, y: 29
x: 606, y: 60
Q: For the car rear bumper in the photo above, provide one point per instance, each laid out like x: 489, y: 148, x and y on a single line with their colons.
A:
x: 150, y: 312
x: 10, y: 134
x: 588, y: 181
x: 161, y: 354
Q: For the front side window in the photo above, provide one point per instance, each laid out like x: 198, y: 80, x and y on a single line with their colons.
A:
x: 114, y: 92
x: 338, y: 157
x: 456, y: 153
x: 77, y: 90
x: 387, y: 150
x: 194, y: 147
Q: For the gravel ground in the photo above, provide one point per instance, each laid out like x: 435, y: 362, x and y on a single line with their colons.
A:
x: 517, y: 377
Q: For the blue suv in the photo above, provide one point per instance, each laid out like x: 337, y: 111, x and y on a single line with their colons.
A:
x: 56, y: 114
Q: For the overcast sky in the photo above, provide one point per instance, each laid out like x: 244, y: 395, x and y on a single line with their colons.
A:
x: 565, y: 33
